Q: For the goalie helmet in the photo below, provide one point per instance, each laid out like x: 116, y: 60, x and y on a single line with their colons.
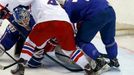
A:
x: 22, y: 16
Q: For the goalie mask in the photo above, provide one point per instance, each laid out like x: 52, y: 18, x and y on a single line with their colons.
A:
x: 22, y: 16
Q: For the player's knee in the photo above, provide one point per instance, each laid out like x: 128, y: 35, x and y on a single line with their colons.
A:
x: 108, y: 41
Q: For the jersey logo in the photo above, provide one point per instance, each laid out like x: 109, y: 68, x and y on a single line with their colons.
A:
x: 53, y: 2
x: 11, y: 28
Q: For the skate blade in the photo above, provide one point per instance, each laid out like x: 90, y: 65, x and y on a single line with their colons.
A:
x: 115, y: 69
x: 103, y: 69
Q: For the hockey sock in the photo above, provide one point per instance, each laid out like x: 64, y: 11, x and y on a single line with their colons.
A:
x: 34, y: 62
x: 90, y: 50
x: 112, y: 50
x: 79, y: 58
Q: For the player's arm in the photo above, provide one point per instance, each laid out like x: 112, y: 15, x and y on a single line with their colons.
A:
x: 4, y: 12
x: 10, y: 37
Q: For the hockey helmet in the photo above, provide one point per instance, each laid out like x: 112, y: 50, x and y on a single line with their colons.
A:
x: 21, y: 16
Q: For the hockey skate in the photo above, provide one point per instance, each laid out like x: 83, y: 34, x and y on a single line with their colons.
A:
x: 114, y: 63
x: 20, y: 68
x: 111, y: 62
x: 101, y: 67
x: 88, y: 70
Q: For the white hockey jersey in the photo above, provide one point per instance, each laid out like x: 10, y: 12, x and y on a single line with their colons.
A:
x: 10, y: 4
x: 46, y: 10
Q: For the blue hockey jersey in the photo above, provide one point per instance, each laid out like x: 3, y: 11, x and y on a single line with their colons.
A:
x: 83, y: 9
x: 10, y: 37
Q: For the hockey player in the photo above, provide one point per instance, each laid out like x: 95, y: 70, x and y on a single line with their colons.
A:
x: 21, y: 23
x: 12, y: 35
x: 51, y: 22
x: 6, y: 9
x: 94, y: 16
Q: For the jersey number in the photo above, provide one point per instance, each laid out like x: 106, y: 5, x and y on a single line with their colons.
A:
x: 77, y: 0
x: 53, y: 2
x: 74, y: 0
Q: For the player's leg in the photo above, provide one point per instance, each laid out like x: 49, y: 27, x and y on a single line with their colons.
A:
x: 33, y: 42
x: 107, y: 36
x: 85, y: 34
x: 67, y: 43
x: 18, y: 47
x: 11, y: 36
x: 38, y: 55
x: 45, y: 31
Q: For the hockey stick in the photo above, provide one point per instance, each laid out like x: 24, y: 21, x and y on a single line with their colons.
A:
x: 61, y: 55
x: 8, y: 66
x: 5, y: 67
x: 70, y: 69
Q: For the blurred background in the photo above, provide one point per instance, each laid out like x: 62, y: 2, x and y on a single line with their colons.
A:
x: 125, y: 23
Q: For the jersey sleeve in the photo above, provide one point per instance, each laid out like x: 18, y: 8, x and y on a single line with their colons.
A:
x: 10, y: 37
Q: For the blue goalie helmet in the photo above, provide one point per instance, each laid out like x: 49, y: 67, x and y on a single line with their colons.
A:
x: 22, y: 16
